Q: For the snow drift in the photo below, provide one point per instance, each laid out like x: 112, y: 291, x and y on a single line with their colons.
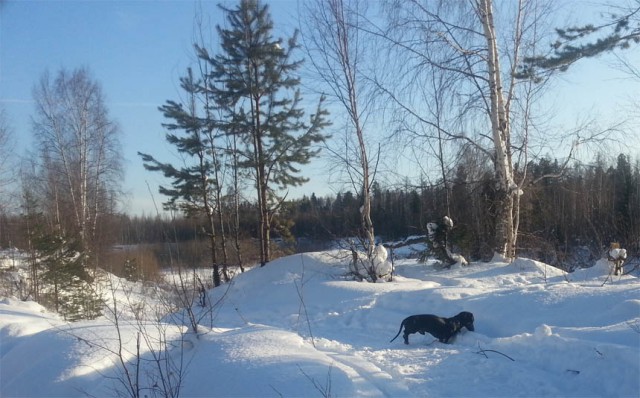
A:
x: 298, y: 327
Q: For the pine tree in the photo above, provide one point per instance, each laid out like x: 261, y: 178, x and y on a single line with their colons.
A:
x: 254, y: 80
x: 131, y: 270
x: 578, y: 42
x: 194, y: 186
x: 65, y: 279
x: 622, y: 193
x: 57, y: 272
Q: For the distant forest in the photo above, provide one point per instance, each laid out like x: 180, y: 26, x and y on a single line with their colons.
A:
x: 562, y: 213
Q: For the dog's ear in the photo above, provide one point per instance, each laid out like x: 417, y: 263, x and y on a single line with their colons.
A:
x: 454, y: 325
x: 470, y: 322
x: 469, y: 325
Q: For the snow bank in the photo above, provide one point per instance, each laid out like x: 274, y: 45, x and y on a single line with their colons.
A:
x: 299, y: 327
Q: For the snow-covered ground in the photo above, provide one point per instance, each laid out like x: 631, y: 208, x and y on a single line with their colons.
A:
x: 299, y: 328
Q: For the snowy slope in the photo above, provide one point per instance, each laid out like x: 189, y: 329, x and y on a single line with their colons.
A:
x: 297, y: 327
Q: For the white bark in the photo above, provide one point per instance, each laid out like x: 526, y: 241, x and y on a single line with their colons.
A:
x: 335, y: 43
x: 79, y: 148
x: 500, y: 128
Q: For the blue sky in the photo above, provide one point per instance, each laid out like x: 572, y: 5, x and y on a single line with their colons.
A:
x: 137, y: 50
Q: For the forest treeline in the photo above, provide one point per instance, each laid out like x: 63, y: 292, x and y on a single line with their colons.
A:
x: 563, y: 211
x: 564, y: 214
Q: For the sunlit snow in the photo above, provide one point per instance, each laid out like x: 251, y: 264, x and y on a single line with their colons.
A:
x: 299, y: 328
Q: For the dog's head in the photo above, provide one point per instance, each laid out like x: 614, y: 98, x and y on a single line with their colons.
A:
x: 466, y: 319
x: 453, y: 326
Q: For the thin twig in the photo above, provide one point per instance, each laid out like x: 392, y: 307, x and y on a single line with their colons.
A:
x: 484, y: 352
x: 302, y: 303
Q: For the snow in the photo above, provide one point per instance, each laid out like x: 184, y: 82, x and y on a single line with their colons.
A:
x: 447, y: 221
x: 380, y: 263
x: 299, y: 327
x: 618, y: 254
x: 432, y: 228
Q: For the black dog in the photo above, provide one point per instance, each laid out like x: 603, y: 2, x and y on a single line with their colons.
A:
x: 441, y: 328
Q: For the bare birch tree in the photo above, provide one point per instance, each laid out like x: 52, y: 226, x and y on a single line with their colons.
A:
x: 80, y: 152
x: 460, y: 40
x: 505, y: 185
x: 6, y: 157
x: 336, y: 52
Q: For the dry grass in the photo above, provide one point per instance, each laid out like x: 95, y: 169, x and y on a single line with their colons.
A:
x: 144, y: 262
x: 139, y: 262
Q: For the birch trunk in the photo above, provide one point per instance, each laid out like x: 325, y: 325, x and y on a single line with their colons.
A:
x: 505, y: 186
x: 336, y: 50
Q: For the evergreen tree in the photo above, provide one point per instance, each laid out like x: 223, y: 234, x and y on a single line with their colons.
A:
x: 623, y: 190
x: 254, y: 80
x: 131, y: 270
x: 66, y: 281
x: 195, y: 186
x: 58, y: 276
x: 577, y: 42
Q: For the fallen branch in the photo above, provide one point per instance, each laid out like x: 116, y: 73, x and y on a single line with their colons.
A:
x: 484, y: 352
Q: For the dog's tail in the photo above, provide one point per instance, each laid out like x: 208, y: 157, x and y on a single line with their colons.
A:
x: 401, y: 325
